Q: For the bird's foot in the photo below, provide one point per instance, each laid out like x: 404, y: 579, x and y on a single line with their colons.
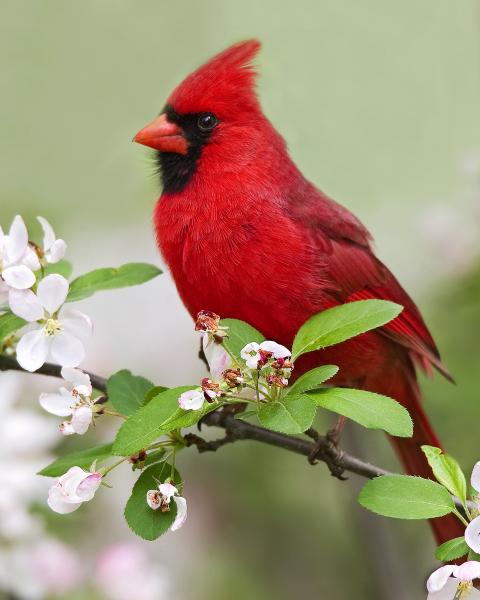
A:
x: 326, y: 449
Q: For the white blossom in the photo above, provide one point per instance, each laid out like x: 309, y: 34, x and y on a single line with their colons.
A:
x: 161, y: 498
x: 254, y: 357
x: 191, y: 399
x: 56, y: 332
x: 72, y: 489
x: 17, y: 260
x: 472, y: 532
x: 74, y: 400
x: 452, y: 581
x: 53, y: 249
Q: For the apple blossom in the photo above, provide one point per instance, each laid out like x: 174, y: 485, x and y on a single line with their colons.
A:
x: 160, y: 499
x: 53, y: 249
x: 454, y: 581
x: 191, y: 399
x: 17, y: 260
x: 257, y: 355
x: 56, y: 332
x: 74, y: 401
x: 72, y: 489
x: 472, y: 532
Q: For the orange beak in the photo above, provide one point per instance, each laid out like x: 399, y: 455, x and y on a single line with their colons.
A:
x: 162, y: 135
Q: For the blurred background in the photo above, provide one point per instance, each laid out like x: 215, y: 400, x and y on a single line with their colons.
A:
x: 379, y: 102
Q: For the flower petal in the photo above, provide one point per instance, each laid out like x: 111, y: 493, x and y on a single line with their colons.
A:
x: 32, y: 350
x: 250, y: 350
x: 76, y: 323
x: 181, y: 513
x: 76, y: 377
x: 472, y: 535
x: 25, y: 304
x: 67, y: 350
x: 277, y: 350
x: 447, y: 592
x: 475, y: 477
x: 30, y: 259
x: 87, y: 488
x: 191, y: 400
x: 57, y: 404
x: 168, y: 490
x: 81, y: 419
x: 66, y: 428
x: 17, y: 240
x: 438, y: 578
x: 154, y: 499
x: 70, y: 482
x: 217, y: 357
x: 52, y: 292
x: 57, y: 251
x: 57, y: 502
x: 48, y: 233
x: 467, y: 571
x: 19, y: 277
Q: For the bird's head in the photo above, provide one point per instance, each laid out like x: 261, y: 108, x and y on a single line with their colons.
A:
x: 213, y: 116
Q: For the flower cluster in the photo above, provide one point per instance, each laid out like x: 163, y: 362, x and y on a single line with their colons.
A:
x: 456, y: 581
x: 53, y: 331
x: 264, y: 369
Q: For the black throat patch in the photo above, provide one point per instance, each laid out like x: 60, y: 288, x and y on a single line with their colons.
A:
x: 176, y: 170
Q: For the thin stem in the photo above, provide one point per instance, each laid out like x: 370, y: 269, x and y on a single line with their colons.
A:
x: 461, y: 517
x: 114, y: 413
x: 114, y: 466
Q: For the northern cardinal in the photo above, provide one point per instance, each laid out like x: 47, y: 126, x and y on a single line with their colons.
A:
x: 247, y: 236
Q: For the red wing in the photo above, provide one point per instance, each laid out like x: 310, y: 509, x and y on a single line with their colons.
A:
x: 356, y: 273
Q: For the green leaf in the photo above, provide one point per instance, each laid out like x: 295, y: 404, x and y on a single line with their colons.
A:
x: 150, y: 524
x: 9, y: 323
x: 155, y: 391
x: 110, y: 279
x: 63, y: 267
x: 239, y: 335
x: 341, y: 323
x: 292, y: 414
x: 81, y: 458
x: 312, y: 379
x: 452, y: 549
x: 447, y: 471
x: 406, y: 497
x: 161, y: 415
x: 370, y: 410
x: 127, y: 392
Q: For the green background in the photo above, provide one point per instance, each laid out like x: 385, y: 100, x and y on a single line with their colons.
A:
x: 379, y: 103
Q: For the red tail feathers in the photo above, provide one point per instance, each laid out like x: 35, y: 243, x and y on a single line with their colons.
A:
x: 413, y: 459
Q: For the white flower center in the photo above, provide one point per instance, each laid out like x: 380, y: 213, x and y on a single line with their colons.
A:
x: 52, y: 327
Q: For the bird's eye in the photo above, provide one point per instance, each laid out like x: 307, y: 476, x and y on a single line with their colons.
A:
x: 207, y: 121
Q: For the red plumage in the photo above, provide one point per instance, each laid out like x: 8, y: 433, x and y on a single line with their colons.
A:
x: 247, y: 236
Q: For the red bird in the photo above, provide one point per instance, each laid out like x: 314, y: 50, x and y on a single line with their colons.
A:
x: 247, y: 236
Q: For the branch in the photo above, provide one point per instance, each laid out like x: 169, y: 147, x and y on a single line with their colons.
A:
x: 336, y: 459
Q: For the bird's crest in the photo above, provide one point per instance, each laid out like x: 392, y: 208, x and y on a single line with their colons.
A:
x: 224, y: 83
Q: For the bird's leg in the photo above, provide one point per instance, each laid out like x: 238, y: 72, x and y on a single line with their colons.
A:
x: 327, y: 451
x: 335, y: 433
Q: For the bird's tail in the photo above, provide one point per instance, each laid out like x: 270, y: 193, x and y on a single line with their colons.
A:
x: 409, y: 451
